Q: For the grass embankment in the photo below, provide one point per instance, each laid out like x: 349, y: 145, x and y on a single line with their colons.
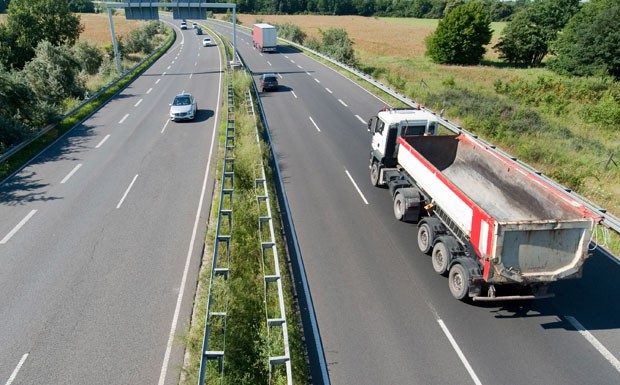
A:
x: 565, y: 127
x: 246, y: 342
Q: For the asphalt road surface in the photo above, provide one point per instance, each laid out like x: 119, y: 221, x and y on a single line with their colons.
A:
x: 385, y: 317
x: 101, y: 235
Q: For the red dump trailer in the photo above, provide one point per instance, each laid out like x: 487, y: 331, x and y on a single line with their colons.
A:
x: 488, y: 223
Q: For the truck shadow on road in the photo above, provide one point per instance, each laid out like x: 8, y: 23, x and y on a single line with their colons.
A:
x: 591, y: 300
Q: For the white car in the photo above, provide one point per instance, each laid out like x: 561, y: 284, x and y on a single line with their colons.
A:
x: 183, y: 107
x: 207, y: 42
x: 194, y: 25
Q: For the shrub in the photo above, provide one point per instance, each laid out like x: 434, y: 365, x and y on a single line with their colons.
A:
x: 461, y: 36
x: 89, y: 56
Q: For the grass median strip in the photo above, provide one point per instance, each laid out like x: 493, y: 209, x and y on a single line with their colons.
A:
x: 248, y: 342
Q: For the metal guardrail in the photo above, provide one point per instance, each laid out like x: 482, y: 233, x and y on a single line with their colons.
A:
x: 13, y: 150
x: 609, y: 220
x: 312, y: 336
x: 271, y: 269
x: 222, y: 245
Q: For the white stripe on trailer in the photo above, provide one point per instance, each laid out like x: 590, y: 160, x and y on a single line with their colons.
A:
x: 458, y: 210
x: 484, y: 237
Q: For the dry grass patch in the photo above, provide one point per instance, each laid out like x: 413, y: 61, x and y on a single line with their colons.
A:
x: 97, y: 27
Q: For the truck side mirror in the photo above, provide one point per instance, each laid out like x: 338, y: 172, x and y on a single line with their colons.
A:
x: 371, y: 124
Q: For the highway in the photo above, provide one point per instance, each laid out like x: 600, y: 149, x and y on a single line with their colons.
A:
x: 101, y: 235
x: 385, y: 317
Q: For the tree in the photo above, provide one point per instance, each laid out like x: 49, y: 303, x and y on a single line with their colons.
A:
x: 53, y: 74
x: 291, y: 32
x: 590, y: 43
x: 31, y: 21
x: 82, y: 6
x: 337, y: 45
x: 461, y: 36
x: 526, y: 39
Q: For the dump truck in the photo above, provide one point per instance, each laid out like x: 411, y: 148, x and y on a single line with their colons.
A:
x: 264, y: 37
x: 495, y: 229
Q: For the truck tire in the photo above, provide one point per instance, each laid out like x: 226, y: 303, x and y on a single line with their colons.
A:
x: 375, y: 170
x: 441, y: 258
x: 425, y: 238
x: 458, y: 281
x: 399, y: 207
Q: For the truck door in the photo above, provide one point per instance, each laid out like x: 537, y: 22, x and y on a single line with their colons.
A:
x: 376, y: 126
x: 389, y: 159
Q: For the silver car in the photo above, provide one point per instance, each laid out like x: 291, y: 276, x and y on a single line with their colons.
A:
x: 183, y: 107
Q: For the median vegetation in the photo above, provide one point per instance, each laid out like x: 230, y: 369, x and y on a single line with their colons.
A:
x: 247, y: 343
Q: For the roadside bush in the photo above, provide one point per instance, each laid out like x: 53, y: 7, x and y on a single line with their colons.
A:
x: 337, y: 45
x: 138, y: 41
x: 53, y: 74
x: 605, y: 112
x: 12, y: 132
x: 89, y: 56
x: 291, y: 32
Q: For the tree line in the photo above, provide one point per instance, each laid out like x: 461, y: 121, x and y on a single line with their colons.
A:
x: 580, y: 39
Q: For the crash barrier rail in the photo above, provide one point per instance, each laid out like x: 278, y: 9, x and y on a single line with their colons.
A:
x: 277, y: 327
x: 129, y: 72
x: 609, y: 220
x: 312, y: 336
x: 215, y: 321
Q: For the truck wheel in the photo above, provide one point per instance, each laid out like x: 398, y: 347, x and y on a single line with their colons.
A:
x: 374, y: 173
x: 458, y: 280
x: 399, y: 207
x: 441, y: 258
x: 425, y: 238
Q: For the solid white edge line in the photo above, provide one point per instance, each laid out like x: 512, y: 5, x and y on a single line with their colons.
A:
x: 177, y: 310
x: 149, y: 90
x: 328, y: 90
x: 16, y: 370
x: 124, y: 117
x: 118, y: 206
x: 103, y: 141
x: 317, y: 127
x: 356, y: 187
x: 360, y: 119
x: 293, y: 92
x: 455, y: 346
x: 17, y: 227
x: 70, y: 174
x: 342, y: 102
x: 592, y: 340
x: 138, y: 103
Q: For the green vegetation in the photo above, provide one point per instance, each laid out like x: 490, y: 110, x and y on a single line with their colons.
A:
x: 527, y: 38
x: 590, y: 43
x: 461, y: 36
x: 247, y: 343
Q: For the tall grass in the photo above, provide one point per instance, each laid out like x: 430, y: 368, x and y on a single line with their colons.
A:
x: 248, y: 344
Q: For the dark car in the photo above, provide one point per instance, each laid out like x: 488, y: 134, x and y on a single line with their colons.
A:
x: 269, y: 82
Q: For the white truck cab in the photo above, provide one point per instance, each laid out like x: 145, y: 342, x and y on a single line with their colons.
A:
x: 387, y: 126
